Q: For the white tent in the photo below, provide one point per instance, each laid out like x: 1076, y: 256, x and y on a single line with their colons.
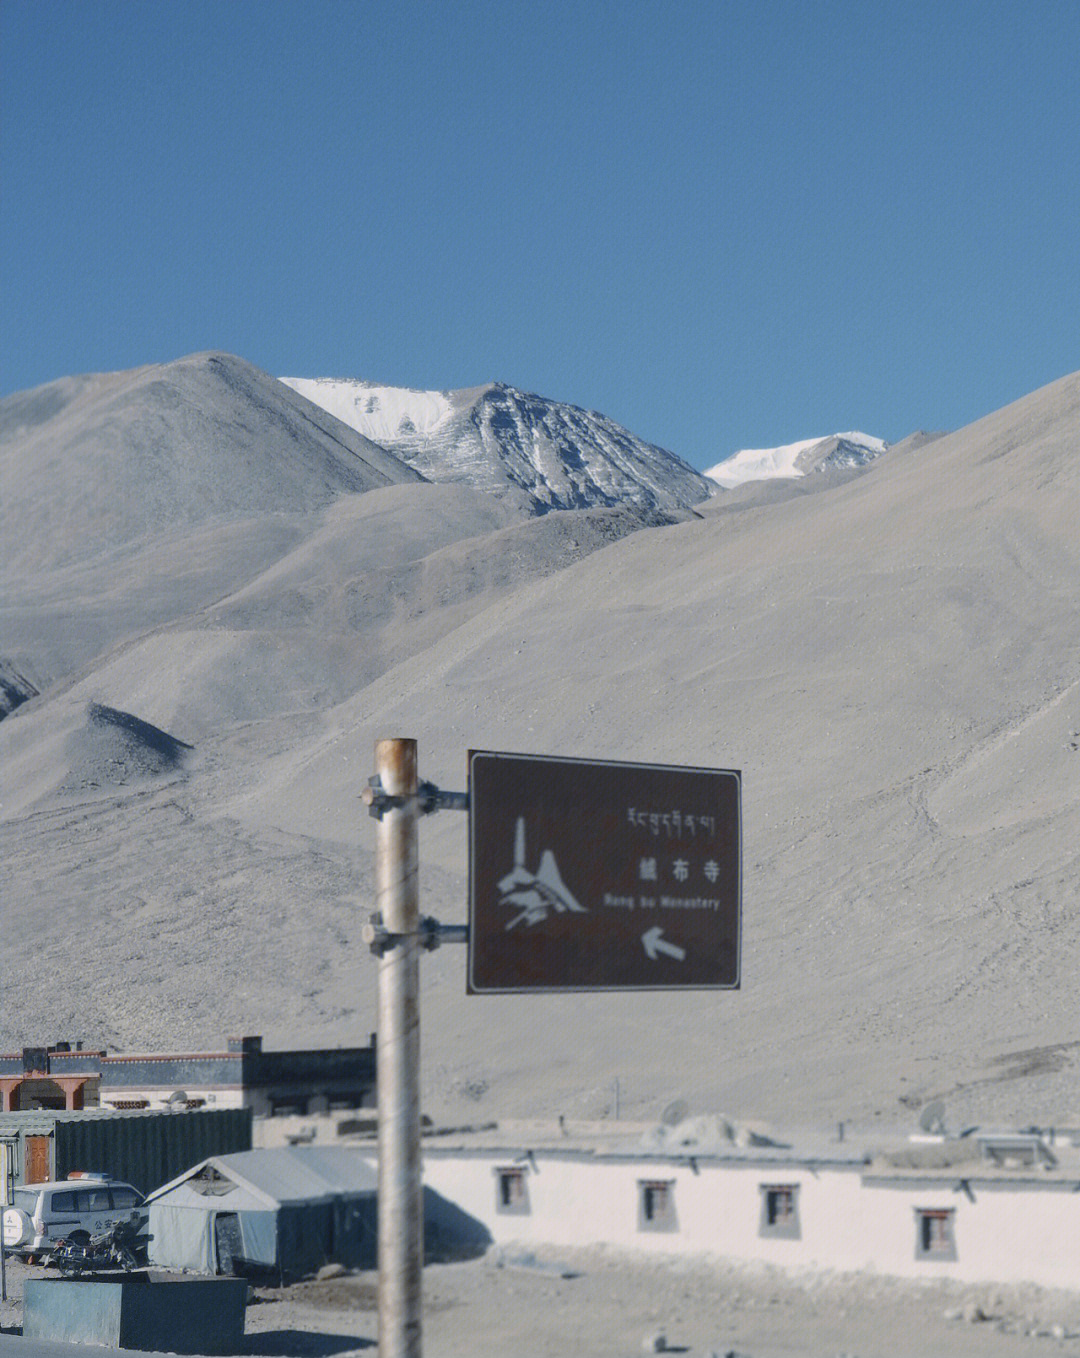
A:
x: 288, y: 1211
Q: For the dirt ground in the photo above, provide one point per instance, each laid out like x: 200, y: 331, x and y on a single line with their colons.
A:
x: 599, y: 1304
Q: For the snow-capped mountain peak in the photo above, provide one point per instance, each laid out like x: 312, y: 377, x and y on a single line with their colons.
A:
x: 560, y: 456
x: 797, y: 459
x: 382, y: 414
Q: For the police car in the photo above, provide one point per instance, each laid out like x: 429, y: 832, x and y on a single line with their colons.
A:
x: 77, y: 1208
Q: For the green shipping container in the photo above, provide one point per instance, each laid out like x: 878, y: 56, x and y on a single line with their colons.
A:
x: 144, y: 1147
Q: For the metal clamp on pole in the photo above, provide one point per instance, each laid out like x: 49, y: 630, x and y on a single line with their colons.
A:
x: 376, y: 935
x: 430, y: 935
x: 429, y: 799
x: 377, y: 800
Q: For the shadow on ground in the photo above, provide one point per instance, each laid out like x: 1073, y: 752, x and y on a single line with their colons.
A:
x: 303, y: 1344
x: 451, y: 1235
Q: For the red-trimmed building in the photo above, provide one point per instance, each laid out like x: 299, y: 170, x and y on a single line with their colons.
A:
x: 270, y: 1083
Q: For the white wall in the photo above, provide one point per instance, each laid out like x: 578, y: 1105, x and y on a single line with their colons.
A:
x: 269, y: 1132
x: 157, y: 1097
x: 581, y: 1201
x: 1005, y: 1235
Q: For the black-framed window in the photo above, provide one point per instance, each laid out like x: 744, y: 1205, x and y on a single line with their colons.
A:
x: 511, y: 1189
x: 289, y: 1105
x: 935, y: 1234
x: 656, y: 1205
x: 344, y: 1100
x: 779, y: 1219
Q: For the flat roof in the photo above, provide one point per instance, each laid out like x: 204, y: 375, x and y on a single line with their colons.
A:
x: 889, y: 1157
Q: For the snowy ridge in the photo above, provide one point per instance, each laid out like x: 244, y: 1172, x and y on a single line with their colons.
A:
x: 797, y: 459
x: 379, y: 413
x: 494, y: 436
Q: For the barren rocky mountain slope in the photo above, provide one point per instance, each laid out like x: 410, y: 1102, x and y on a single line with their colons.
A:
x: 555, y: 455
x: 130, y: 498
x: 892, y: 660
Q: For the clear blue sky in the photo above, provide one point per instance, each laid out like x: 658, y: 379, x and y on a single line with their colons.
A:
x: 724, y: 223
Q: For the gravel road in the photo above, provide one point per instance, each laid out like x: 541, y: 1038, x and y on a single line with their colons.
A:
x: 597, y: 1304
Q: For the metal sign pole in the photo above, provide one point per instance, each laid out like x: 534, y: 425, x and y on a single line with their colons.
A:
x: 400, y: 1207
x: 7, y: 1176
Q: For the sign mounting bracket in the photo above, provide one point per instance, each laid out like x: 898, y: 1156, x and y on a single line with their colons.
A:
x: 428, y: 799
x: 430, y: 935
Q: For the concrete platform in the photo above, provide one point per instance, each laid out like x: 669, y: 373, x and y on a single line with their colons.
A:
x: 138, y: 1311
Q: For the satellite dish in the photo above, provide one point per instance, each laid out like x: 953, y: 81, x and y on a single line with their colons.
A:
x: 176, y: 1099
x: 932, y: 1118
x: 675, y: 1113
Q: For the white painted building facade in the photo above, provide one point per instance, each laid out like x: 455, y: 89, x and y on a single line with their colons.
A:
x: 827, y: 1210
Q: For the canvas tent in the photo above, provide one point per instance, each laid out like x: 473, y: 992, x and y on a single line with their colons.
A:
x: 286, y: 1211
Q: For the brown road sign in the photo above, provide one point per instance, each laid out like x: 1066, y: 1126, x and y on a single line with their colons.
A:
x: 596, y: 875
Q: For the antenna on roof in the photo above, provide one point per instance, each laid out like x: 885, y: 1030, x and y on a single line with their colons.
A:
x: 675, y: 1113
x: 932, y: 1118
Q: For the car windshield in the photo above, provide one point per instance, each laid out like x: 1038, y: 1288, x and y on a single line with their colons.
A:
x: 26, y: 1198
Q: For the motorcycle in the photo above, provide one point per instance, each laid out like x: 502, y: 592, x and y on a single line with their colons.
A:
x: 118, y: 1247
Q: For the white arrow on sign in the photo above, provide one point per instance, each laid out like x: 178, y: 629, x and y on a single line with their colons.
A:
x: 653, y: 941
